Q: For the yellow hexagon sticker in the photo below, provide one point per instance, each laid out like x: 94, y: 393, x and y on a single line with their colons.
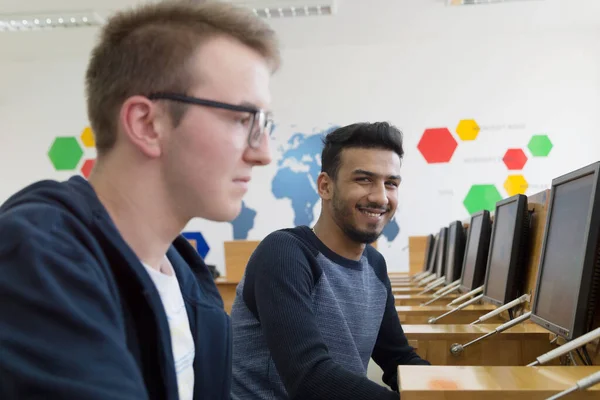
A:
x: 515, y: 184
x: 467, y: 129
x: 87, y: 137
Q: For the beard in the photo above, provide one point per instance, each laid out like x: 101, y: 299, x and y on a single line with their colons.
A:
x: 342, y: 215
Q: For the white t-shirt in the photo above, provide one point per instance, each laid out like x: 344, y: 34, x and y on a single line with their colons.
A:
x: 182, y: 341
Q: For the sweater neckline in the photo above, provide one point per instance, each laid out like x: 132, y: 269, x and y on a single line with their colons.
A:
x: 330, y: 254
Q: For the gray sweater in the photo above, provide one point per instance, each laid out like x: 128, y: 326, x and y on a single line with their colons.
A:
x: 306, y: 321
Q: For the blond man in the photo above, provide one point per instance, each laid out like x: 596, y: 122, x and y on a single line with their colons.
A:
x: 100, y: 296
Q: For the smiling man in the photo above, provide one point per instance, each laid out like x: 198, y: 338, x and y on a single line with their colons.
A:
x: 316, y: 304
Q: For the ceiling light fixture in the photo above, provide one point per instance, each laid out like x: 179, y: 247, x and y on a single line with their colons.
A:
x: 477, y: 2
x: 38, y: 21
x: 291, y: 8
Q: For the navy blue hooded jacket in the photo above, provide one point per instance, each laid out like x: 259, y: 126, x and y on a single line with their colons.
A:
x: 80, y: 318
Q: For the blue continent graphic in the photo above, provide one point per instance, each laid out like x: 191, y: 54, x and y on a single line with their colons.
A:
x: 296, y: 178
x: 391, y: 230
x: 297, y: 174
x: 243, y: 223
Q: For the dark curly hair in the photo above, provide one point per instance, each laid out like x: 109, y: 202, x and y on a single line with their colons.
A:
x: 377, y: 135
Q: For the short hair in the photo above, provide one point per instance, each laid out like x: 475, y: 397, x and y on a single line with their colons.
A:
x: 377, y: 135
x: 146, y: 49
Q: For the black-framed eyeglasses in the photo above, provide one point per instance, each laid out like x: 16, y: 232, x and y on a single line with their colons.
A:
x: 261, y: 123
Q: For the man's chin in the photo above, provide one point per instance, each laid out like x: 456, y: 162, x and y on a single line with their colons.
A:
x: 374, y: 229
x: 223, y: 214
x: 364, y: 236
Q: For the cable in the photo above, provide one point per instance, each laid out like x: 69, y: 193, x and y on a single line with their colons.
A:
x: 587, y: 356
x: 581, y: 357
x: 572, y: 359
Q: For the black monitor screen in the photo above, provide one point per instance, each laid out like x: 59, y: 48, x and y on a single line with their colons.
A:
x: 501, y: 249
x: 440, y: 267
x: 433, y: 258
x: 471, y: 251
x: 455, y: 252
x: 561, y: 268
x: 428, y: 251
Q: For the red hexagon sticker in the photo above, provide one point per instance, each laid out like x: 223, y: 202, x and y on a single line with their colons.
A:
x: 437, y: 145
x: 86, y: 168
x: 515, y: 159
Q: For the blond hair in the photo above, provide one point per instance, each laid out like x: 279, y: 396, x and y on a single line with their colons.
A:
x: 146, y: 49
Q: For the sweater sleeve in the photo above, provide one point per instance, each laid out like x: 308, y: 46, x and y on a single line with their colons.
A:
x: 284, y: 274
x: 60, y: 331
x: 392, y: 348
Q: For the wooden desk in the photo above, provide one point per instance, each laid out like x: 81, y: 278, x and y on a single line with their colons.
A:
x: 227, y: 290
x: 416, y: 300
x: 417, y: 247
x: 421, y: 314
x: 404, y: 284
x: 407, y: 290
x: 401, y: 281
x: 491, y: 383
x: 237, y: 253
x: 519, y: 345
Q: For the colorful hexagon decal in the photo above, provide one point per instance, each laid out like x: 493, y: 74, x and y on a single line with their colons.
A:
x: 515, y: 159
x: 87, y: 137
x: 86, y: 168
x: 482, y: 197
x: 65, y: 153
x: 515, y: 184
x: 467, y: 129
x: 197, y: 240
x: 437, y: 145
x: 540, y: 145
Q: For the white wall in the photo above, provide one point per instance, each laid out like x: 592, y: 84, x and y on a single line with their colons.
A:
x: 418, y: 64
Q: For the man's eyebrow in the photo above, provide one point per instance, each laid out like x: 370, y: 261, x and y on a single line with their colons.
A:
x: 253, y: 106
x: 247, y: 104
x: 373, y: 174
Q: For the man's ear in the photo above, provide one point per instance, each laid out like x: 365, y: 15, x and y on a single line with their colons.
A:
x: 142, y: 124
x: 325, y: 186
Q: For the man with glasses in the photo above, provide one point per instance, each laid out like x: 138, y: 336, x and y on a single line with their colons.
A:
x: 100, y: 296
x: 260, y: 122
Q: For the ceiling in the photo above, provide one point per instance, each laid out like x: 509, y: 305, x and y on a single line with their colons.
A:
x: 380, y: 21
x: 18, y: 6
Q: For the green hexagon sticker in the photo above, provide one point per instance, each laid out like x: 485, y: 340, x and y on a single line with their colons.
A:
x: 482, y: 197
x: 65, y: 153
x: 540, y: 145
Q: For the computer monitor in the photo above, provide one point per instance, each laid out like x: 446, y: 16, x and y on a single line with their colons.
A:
x: 508, y: 249
x: 455, y: 251
x: 440, y: 262
x: 428, y: 251
x: 431, y: 263
x: 476, y: 251
x: 569, y: 267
